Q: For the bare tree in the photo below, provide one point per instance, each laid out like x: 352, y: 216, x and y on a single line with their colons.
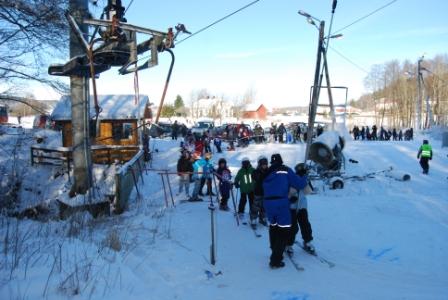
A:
x: 393, y: 88
x: 31, y: 31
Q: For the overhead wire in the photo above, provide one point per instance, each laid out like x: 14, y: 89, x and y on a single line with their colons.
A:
x: 349, y: 60
x: 130, y: 3
x: 366, y: 16
x: 210, y: 25
x: 218, y: 21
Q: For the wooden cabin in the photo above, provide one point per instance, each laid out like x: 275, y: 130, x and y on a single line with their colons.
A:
x: 119, y: 118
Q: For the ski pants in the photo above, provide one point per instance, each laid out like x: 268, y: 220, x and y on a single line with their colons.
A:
x: 224, y: 190
x: 300, y: 219
x: 424, y: 163
x: 278, y: 237
x: 257, y: 210
x: 197, y: 185
x: 184, y: 181
x: 209, y: 185
x: 243, y: 201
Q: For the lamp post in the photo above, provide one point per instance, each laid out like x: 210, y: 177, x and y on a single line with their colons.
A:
x: 318, y: 75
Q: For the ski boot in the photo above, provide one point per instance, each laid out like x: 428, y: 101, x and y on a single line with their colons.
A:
x: 277, y: 265
x: 309, y: 247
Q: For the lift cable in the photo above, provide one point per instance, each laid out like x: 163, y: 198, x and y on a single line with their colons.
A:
x: 366, y: 16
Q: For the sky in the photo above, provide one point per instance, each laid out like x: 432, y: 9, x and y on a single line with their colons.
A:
x: 270, y: 49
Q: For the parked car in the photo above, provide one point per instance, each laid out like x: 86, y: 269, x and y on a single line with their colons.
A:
x: 201, y: 126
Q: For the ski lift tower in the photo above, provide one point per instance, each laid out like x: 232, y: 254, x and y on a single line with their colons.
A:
x: 112, y: 43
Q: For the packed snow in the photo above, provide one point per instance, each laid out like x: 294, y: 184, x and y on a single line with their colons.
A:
x: 388, y: 239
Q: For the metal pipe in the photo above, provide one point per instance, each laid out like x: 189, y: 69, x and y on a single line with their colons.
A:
x: 159, y: 110
x: 315, y: 95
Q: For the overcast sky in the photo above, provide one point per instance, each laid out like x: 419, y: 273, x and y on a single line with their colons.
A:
x: 271, y: 49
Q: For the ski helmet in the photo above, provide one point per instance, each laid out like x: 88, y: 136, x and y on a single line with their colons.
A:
x: 300, y: 169
x: 245, y: 158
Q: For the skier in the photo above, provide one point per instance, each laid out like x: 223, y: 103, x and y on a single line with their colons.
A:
x: 276, y: 203
x: 198, y: 168
x: 299, y: 214
x: 425, y: 155
x: 174, y: 130
x: 225, y: 183
x: 207, y: 176
x: 258, y: 176
x: 243, y: 180
x: 184, y: 169
x: 217, y: 142
x: 281, y: 130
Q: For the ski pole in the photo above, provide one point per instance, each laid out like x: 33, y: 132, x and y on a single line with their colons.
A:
x: 218, y: 192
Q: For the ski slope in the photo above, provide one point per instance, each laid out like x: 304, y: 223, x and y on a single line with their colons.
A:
x: 388, y: 239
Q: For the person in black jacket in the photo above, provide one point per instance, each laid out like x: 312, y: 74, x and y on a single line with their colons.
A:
x: 225, y: 183
x: 184, y: 169
x: 258, y: 176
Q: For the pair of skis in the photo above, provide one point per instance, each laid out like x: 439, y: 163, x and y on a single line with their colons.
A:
x: 317, y: 256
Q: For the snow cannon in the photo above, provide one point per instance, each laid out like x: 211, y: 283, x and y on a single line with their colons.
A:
x: 326, y: 150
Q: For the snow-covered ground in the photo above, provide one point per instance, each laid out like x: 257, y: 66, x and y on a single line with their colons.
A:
x: 388, y: 240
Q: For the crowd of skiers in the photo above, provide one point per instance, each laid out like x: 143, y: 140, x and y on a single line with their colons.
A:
x: 373, y: 134
x: 275, y: 195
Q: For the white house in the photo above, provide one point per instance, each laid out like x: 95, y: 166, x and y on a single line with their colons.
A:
x: 213, y: 107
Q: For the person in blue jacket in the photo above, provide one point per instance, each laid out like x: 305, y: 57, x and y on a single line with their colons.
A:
x: 276, y: 204
x: 198, y: 173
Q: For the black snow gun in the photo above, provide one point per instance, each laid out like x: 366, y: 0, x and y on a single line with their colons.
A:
x: 326, y: 153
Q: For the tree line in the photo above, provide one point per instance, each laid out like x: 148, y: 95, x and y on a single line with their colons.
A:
x: 393, y: 92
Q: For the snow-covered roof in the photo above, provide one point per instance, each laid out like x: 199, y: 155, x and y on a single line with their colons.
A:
x: 113, y: 107
x: 252, y: 107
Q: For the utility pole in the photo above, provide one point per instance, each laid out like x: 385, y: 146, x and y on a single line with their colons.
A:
x: 316, y: 89
x: 79, y: 92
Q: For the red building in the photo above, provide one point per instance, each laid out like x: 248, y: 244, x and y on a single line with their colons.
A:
x: 255, y: 111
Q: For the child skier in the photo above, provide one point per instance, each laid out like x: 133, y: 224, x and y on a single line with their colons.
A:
x: 425, y: 155
x: 225, y: 183
x: 299, y: 214
x: 198, y: 168
x: 259, y: 174
x: 184, y: 169
x: 243, y: 180
x: 206, y: 178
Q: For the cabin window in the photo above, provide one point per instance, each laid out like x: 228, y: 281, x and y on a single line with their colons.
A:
x: 122, y: 131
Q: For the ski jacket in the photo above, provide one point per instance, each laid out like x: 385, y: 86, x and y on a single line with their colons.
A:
x: 198, y: 168
x: 184, y: 165
x: 208, y: 168
x: 258, y: 176
x: 279, y: 180
x: 425, y: 151
x: 224, y: 174
x: 244, y: 180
